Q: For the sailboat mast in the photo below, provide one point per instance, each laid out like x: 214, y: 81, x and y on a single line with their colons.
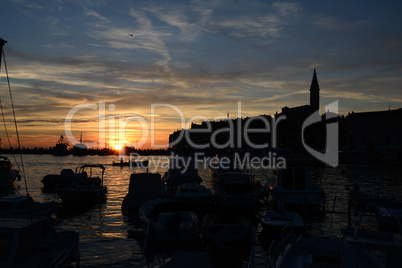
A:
x: 2, y: 42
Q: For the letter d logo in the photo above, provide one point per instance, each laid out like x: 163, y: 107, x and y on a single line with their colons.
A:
x: 330, y: 156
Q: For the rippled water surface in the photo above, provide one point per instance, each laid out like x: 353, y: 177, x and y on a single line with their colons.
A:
x: 104, y: 231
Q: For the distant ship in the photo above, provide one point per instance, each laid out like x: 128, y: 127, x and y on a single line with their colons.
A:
x: 80, y: 149
x: 61, y: 147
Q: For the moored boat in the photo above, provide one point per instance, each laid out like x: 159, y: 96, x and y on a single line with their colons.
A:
x: 273, y: 223
x: 193, y: 193
x: 143, y: 187
x: 293, y: 187
x: 359, y: 247
x: 368, y: 248
x: 366, y: 201
x: 168, y: 221
x: 306, y: 252
x: 33, y: 242
x: 68, y: 176
x: 80, y: 191
x: 390, y: 216
x: 76, y: 193
x: 25, y: 205
x: 240, y: 190
x: 181, y: 170
x: 27, y: 240
x: 7, y: 173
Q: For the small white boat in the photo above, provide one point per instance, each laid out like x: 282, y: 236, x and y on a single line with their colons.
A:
x: 193, y: 193
x: 143, y: 187
x: 7, y: 173
x: 168, y: 221
x: 25, y: 205
x: 33, y: 242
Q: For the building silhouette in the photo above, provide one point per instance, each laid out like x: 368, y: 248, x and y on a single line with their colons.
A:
x: 314, y: 93
x: 375, y: 131
x: 379, y: 131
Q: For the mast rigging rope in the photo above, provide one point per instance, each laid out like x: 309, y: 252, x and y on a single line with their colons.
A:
x: 21, y: 169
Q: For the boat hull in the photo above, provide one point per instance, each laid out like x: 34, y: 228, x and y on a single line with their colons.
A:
x: 133, y: 203
x: 82, y: 194
x: 7, y: 181
x: 25, y: 205
x: 143, y: 187
x: 50, y: 248
x: 184, y: 233
x: 171, y: 224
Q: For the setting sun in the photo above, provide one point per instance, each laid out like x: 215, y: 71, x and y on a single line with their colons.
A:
x: 117, y: 147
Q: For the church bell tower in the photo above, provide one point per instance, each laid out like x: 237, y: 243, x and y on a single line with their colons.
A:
x: 314, y: 93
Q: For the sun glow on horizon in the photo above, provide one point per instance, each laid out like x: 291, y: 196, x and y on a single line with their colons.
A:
x: 117, y: 147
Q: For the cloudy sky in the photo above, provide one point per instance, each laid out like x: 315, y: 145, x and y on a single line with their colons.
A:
x: 200, y: 58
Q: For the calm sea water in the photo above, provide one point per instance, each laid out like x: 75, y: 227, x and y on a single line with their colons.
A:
x: 104, y: 231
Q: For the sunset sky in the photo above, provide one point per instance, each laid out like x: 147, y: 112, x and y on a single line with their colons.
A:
x: 201, y: 57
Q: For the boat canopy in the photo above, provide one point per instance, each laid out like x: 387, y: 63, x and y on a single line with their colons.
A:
x: 83, y: 167
x: 5, y: 163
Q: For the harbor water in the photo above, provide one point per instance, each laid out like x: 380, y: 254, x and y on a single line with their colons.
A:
x: 104, y: 232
